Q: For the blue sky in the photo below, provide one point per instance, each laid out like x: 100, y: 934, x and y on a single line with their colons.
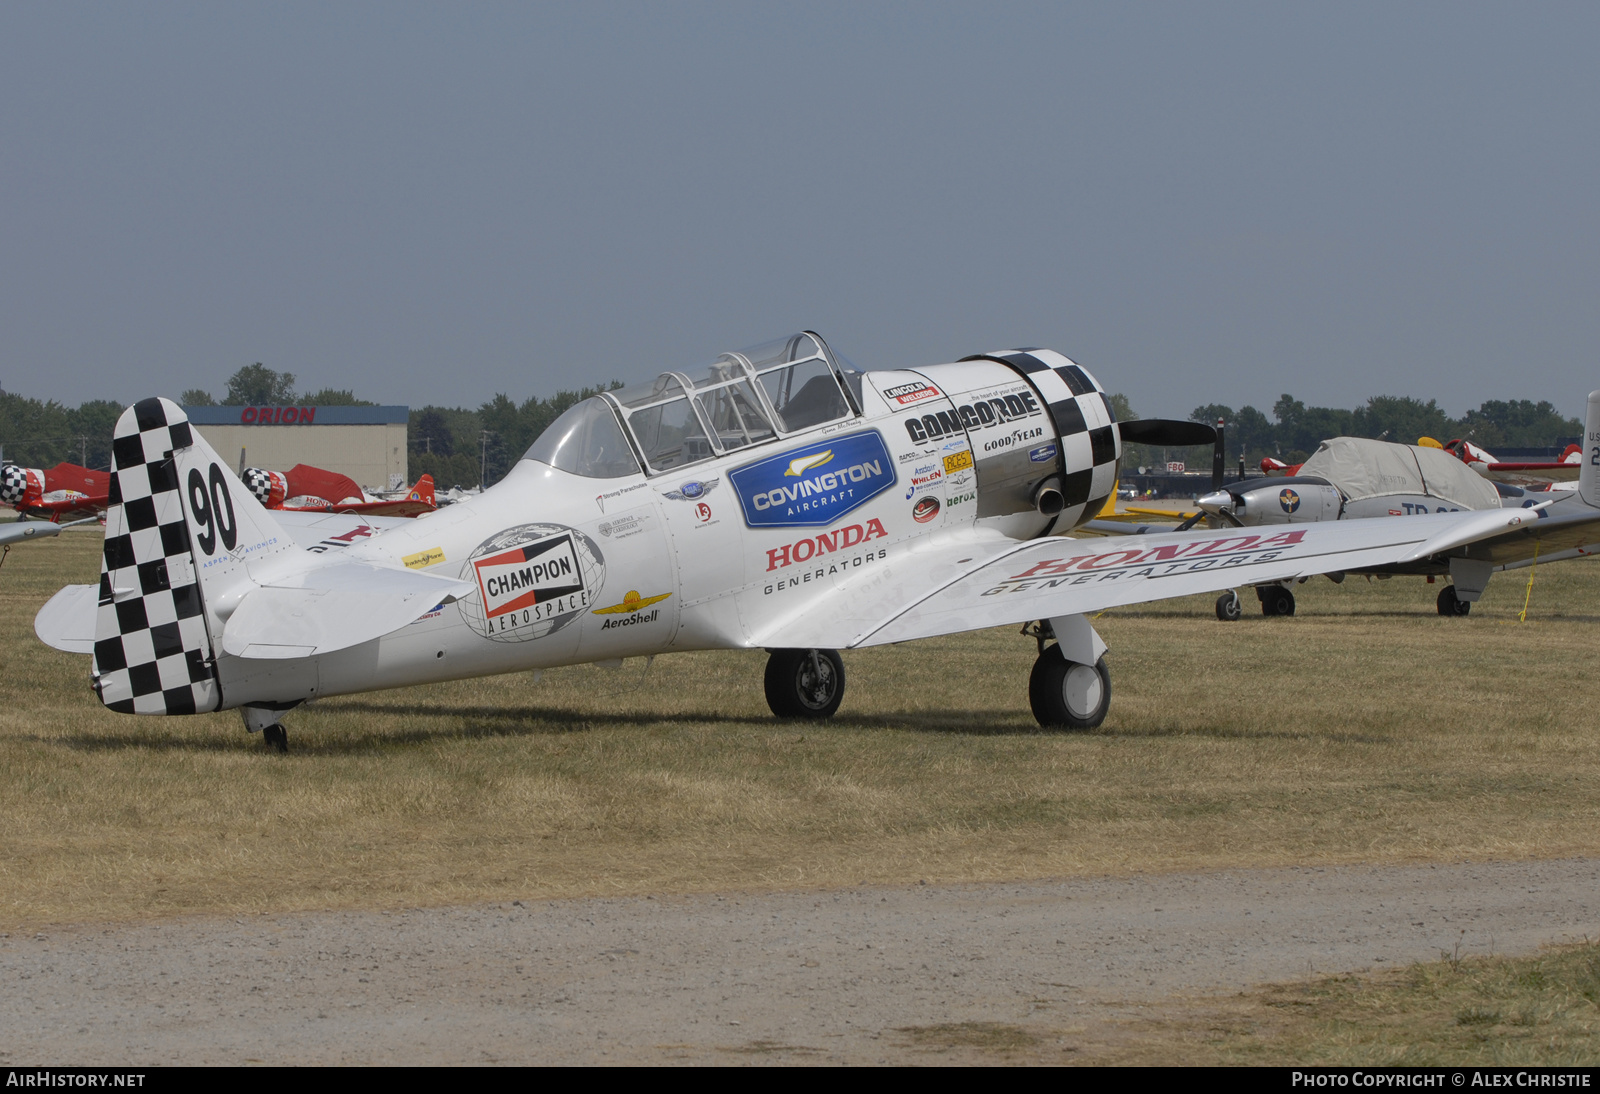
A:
x: 433, y: 203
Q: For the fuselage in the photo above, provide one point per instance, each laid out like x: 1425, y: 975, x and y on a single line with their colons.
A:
x: 569, y: 568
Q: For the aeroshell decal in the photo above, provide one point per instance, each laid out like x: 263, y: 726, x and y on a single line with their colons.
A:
x: 532, y: 580
x: 816, y: 485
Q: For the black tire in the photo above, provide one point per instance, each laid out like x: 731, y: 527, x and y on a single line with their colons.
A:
x: 804, y: 683
x: 1451, y: 604
x: 1063, y: 696
x: 1228, y: 608
x: 1275, y: 600
x: 276, y: 738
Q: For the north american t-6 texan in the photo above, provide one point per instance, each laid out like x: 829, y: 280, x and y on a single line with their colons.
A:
x: 772, y: 499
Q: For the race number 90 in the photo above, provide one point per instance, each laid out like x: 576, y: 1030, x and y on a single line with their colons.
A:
x: 213, y: 511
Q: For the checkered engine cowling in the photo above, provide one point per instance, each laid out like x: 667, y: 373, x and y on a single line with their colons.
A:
x: 152, y: 652
x: 13, y: 484
x: 1086, y: 428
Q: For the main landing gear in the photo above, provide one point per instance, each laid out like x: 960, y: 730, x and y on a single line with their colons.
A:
x: 804, y: 683
x: 1070, y: 686
x: 1275, y: 600
x: 1450, y: 603
x: 269, y: 721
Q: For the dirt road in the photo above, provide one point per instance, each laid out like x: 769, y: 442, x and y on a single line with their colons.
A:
x: 857, y: 975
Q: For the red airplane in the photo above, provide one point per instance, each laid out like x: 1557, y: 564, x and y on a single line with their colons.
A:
x: 311, y: 488
x: 1545, y: 475
x: 63, y: 491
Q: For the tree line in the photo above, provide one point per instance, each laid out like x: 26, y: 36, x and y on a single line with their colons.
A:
x: 1294, y: 430
x: 462, y: 446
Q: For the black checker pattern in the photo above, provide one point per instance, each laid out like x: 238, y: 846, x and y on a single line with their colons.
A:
x: 1086, y: 432
x: 152, y: 654
x: 13, y: 483
x: 259, y: 483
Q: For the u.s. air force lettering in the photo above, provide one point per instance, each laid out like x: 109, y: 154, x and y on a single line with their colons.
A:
x: 816, y: 485
x: 532, y: 580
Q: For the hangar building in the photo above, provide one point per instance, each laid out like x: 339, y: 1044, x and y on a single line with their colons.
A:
x: 368, y: 443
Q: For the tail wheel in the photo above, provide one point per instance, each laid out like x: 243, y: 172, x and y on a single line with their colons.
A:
x: 1228, y: 607
x: 804, y: 683
x: 1450, y: 603
x: 1065, y: 694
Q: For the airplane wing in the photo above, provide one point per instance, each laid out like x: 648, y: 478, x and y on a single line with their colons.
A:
x: 78, y: 506
x: 967, y: 584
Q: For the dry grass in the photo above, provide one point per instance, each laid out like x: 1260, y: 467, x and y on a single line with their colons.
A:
x: 1367, y: 729
x: 1539, y: 1011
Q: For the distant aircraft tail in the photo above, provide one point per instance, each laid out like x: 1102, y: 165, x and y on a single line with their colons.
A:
x: 423, y: 492
x: 181, y: 531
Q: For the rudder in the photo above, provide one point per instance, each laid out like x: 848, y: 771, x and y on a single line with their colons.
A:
x: 152, y: 649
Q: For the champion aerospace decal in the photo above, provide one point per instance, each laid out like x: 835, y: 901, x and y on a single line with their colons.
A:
x: 816, y: 485
x: 532, y: 581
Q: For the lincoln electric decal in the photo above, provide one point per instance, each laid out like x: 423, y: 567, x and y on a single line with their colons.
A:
x: 532, y: 580
x: 816, y: 485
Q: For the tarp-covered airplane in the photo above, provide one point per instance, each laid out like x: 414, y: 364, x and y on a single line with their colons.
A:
x: 1356, y: 478
x: 769, y: 500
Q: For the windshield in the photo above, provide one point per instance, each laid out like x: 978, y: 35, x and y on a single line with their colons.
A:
x: 586, y: 441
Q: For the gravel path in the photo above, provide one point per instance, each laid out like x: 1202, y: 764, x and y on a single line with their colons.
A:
x: 830, y: 976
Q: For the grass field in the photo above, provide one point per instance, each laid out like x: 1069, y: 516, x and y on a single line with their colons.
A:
x: 1366, y: 729
x: 1540, y: 1011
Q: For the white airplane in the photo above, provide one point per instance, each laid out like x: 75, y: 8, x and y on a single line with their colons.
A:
x: 771, y: 500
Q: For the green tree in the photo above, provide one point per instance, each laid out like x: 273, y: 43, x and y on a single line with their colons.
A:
x: 195, y: 397
x: 1518, y: 423
x: 1302, y: 428
x: 330, y: 396
x: 258, y: 385
x: 1401, y: 419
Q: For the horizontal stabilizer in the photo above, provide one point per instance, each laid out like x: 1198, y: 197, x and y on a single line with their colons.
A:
x: 66, y: 622
x: 332, y: 608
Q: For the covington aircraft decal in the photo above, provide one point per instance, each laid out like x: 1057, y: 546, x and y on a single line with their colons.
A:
x: 816, y: 485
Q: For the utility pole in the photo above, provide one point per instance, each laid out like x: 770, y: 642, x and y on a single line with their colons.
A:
x: 483, y: 458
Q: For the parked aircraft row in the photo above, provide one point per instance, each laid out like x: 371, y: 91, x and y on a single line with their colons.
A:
x: 1355, y: 478
x: 769, y: 499
x: 66, y: 495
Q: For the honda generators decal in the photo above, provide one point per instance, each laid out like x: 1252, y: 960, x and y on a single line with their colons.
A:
x: 815, y: 485
x: 532, y: 580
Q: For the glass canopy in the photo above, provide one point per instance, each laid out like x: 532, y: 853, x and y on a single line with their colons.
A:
x: 744, y: 398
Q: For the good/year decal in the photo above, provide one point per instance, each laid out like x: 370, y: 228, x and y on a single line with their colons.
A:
x: 815, y: 485
x: 532, y: 580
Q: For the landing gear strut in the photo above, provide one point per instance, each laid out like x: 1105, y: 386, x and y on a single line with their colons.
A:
x: 804, y: 683
x: 1275, y: 600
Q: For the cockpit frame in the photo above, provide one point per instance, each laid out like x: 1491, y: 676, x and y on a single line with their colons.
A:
x: 752, y: 401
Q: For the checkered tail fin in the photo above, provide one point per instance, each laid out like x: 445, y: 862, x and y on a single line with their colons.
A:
x: 181, y: 533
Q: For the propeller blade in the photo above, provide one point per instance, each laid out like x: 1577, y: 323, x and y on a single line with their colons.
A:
x: 1166, y: 431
